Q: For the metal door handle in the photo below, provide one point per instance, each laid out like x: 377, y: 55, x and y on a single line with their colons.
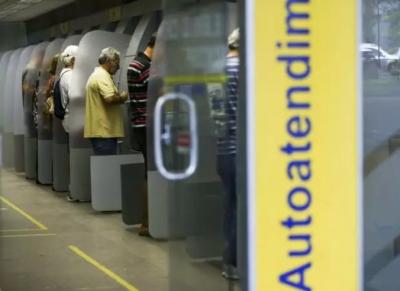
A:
x: 159, y: 137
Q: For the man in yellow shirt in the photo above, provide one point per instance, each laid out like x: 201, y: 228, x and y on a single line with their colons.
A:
x: 103, y: 112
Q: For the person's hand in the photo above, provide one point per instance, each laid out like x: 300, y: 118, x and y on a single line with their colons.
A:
x: 124, y: 96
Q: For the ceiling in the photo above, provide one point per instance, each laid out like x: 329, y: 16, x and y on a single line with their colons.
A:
x: 22, y: 10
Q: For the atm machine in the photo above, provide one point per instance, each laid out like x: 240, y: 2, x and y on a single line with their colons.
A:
x: 18, y: 112
x: 132, y: 174
x: 61, y: 171
x: 45, y: 127
x: 90, y: 47
x: 30, y: 81
x: 8, y: 138
x: 3, y: 73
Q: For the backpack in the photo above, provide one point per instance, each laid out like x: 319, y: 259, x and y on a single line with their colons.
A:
x: 59, y: 109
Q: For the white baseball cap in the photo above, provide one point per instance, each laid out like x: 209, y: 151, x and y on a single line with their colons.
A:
x: 234, y: 38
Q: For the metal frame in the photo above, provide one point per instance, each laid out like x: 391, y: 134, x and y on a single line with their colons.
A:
x: 159, y: 137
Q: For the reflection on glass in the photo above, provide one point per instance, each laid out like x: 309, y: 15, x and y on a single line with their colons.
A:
x: 380, y: 52
x: 175, y: 136
x: 189, y: 59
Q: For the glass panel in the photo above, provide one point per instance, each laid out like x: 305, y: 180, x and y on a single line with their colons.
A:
x: 381, y: 101
x: 189, y: 59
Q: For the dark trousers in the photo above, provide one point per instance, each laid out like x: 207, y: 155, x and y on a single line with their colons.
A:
x: 140, y: 135
x: 226, y: 167
x: 104, y: 146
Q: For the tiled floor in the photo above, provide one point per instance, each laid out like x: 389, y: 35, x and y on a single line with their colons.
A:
x: 47, y: 243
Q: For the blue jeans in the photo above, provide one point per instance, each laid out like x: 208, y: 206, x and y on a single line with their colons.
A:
x: 226, y: 167
x: 104, y: 146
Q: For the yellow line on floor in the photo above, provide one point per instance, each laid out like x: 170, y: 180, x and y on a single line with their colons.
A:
x: 102, y: 268
x: 20, y: 230
x: 23, y: 213
x: 26, y: 235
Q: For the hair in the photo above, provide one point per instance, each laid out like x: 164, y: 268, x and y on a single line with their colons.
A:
x: 52, y: 69
x: 152, y: 41
x: 69, y: 55
x: 68, y: 60
x: 233, y: 47
x: 108, y: 54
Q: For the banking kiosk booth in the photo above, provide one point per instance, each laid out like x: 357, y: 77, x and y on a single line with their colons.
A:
x: 317, y: 137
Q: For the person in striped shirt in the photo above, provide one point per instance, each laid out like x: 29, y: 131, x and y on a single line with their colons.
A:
x: 138, y: 78
x: 224, y: 109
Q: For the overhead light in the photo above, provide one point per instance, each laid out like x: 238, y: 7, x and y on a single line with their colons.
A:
x: 20, y: 6
x: 30, y: 1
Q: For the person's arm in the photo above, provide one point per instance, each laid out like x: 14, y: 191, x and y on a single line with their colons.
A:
x: 65, y: 86
x: 50, y: 86
x: 110, y: 94
x: 117, y: 98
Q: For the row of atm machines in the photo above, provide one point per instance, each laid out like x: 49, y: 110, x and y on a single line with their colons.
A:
x: 184, y: 208
x: 41, y: 147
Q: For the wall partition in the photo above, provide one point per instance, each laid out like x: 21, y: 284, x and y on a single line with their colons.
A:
x: 61, y: 172
x: 45, y: 127
x: 145, y: 28
x: 3, y: 74
x: 30, y: 81
x: 8, y: 138
x: 18, y: 111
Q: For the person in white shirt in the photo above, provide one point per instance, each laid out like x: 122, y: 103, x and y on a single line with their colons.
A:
x: 68, y: 58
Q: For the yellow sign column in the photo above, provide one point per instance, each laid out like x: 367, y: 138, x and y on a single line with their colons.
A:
x: 304, y: 148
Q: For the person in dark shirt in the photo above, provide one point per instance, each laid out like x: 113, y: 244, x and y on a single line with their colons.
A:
x: 138, y: 78
x: 225, y: 116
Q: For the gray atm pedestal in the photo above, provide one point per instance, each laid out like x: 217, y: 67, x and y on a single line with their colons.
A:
x: 106, y: 180
x: 132, y: 183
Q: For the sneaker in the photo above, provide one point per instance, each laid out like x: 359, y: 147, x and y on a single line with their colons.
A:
x: 144, y: 231
x: 230, y: 272
x: 70, y: 199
